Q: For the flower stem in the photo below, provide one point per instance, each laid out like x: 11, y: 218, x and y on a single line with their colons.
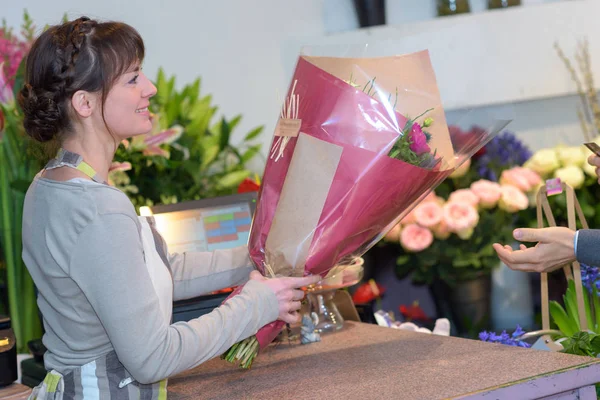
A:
x: 245, y: 352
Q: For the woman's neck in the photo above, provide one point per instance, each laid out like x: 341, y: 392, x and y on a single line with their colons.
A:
x: 98, y: 155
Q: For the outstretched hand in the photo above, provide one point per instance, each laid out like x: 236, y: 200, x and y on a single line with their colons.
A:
x: 554, y: 249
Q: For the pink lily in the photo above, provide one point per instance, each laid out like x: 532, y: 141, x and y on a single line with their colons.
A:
x: 118, y: 166
x: 6, y: 92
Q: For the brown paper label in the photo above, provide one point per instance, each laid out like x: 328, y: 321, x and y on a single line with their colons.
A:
x: 288, y: 127
x: 305, y: 190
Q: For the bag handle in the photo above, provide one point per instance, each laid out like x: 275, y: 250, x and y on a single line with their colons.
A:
x: 572, y: 271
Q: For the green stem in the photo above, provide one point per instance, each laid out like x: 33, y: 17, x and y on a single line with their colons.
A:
x: 11, y: 267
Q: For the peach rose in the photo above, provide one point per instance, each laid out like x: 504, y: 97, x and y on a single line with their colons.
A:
x: 441, y: 231
x: 460, y: 217
x: 464, y: 196
x: 415, y: 238
x: 394, y: 234
x: 409, y: 218
x: 488, y: 192
x: 514, y: 178
x: 533, y: 177
x: 512, y: 199
x: 461, y: 170
x: 428, y: 214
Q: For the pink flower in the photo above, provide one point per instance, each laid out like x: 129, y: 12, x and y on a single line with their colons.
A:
x: 488, y: 192
x: 428, y: 214
x: 415, y: 238
x: 441, y: 231
x: 533, y: 177
x: 167, y: 136
x: 464, y: 196
x: 118, y: 166
x: 512, y: 199
x: 6, y: 91
x: 418, y: 140
x: 394, y: 234
x: 409, y: 218
x: 514, y: 178
x: 461, y: 217
x: 461, y: 170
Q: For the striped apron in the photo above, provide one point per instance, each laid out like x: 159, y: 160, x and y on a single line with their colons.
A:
x: 105, y: 377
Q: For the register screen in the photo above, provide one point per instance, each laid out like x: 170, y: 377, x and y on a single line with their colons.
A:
x: 205, y: 229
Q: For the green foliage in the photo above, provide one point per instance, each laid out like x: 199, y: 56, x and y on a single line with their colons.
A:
x: 201, y: 163
x: 567, y: 318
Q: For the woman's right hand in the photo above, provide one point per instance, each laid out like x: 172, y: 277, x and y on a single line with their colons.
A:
x: 288, y: 293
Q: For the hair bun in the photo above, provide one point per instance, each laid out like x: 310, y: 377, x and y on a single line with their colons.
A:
x: 42, y: 115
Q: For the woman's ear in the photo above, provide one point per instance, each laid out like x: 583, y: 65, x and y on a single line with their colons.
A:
x: 84, y: 103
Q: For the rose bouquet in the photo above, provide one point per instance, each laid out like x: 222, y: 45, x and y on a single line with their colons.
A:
x: 451, y: 238
x: 359, y: 142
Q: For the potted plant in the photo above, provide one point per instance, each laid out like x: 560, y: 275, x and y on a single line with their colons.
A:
x: 446, y: 241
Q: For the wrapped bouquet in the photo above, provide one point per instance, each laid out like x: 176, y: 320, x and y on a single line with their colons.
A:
x: 358, y: 143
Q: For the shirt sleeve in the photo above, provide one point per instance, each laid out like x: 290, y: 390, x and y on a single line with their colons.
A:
x: 108, y: 265
x: 197, y: 273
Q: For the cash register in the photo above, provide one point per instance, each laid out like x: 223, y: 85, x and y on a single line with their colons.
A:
x: 204, y: 225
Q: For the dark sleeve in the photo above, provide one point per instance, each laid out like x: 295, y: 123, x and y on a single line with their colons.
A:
x: 588, y: 243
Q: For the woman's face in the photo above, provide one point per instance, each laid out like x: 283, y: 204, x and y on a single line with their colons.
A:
x: 126, y: 107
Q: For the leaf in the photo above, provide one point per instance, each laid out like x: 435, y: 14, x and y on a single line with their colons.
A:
x: 20, y: 185
x: 225, y: 133
x: 561, y: 319
x: 234, y: 122
x: 253, y: 133
x: 233, y: 179
x: 570, y: 299
x: 250, y: 153
x: 162, y: 94
x: 595, y: 345
x: 596, y: 303
x: 19, y: 78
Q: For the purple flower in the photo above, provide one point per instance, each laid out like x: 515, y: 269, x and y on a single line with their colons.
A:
x: 503, y: 152
x: 505, y: 338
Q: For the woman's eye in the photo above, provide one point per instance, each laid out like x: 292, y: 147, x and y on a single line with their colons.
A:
x: 134, y: 80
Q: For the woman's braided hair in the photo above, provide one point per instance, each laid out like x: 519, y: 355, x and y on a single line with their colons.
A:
x: 78, y: 55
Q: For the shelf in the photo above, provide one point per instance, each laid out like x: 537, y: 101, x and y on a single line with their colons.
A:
x: 496, y: 56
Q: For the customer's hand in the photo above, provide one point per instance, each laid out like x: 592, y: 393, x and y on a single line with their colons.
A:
x: 594, y: 161
x: 555, y: 248
x: 288, y: 293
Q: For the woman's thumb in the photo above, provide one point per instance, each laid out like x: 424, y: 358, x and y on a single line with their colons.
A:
x: 257, y: 276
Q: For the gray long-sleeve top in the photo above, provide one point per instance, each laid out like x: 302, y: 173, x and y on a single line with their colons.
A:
x: 82, y: 246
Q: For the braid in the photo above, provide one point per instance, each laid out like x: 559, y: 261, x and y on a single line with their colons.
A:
x: 79, y: 55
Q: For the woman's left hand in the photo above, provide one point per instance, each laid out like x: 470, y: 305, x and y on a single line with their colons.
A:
x: 555, y: 248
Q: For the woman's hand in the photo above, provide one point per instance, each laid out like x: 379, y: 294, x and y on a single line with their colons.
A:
x: 555, y: 248
x: 594, y: 161
x: 288, y: 293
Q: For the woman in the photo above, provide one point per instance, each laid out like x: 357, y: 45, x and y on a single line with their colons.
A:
x: 105, y: 304
x: 556, y: 246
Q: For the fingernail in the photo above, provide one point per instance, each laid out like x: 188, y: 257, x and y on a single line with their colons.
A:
x: 518, y: 234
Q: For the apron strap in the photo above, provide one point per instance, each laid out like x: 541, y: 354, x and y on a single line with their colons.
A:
x: 65, y: 158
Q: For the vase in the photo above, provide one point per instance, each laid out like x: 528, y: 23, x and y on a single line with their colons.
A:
x: 466, y: 304
x: 492, y: 4
x: 452, y: 7
x: 370, y: 12
x: 512, y: 301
